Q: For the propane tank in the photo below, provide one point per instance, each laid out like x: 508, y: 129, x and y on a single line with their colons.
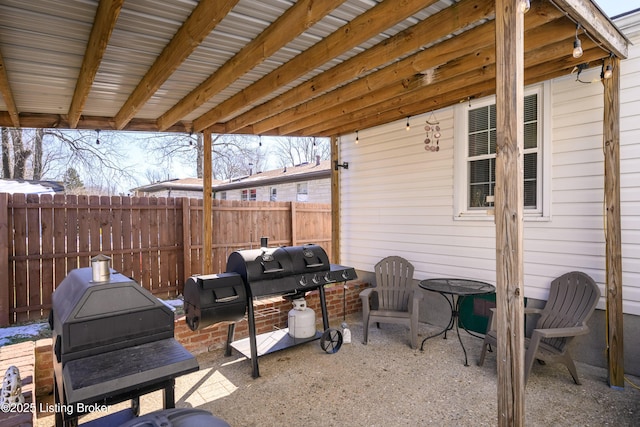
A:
x: 302, y: 320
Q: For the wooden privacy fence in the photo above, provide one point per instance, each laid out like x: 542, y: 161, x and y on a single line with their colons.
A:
x: 156, y: 241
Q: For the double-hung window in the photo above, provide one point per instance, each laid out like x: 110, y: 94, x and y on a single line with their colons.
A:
x: 476, y: 156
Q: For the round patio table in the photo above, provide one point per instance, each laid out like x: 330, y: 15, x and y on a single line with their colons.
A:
x: 454, y: 291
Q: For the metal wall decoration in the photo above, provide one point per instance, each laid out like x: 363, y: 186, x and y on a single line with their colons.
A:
x: 432, y: 139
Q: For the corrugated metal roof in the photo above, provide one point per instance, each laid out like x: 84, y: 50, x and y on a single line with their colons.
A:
x: 43, y: 43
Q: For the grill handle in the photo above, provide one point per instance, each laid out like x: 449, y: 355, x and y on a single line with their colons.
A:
x: 227, y: 299
x: 319, y: 264
x: 272, y: 270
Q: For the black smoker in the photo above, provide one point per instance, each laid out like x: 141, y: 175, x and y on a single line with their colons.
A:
x: 289, y: 271
x: 112, y: 341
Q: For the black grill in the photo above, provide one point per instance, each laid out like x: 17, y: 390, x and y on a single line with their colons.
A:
x: 112, y: 341
x: 289, y: 271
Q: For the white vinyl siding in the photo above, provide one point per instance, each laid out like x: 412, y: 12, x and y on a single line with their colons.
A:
x: 398, y: 199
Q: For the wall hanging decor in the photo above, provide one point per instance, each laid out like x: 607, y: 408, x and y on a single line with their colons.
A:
x: 432, y: 139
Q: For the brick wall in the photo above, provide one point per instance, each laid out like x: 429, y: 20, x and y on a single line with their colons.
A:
x: 269, y: 314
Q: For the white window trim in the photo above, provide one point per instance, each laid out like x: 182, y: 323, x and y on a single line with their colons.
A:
x: 460, y: 188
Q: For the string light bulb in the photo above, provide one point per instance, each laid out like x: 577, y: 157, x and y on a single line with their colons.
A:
x: 577, y: 45
x: 607, y: 72
x: 260, y: 141
x: 97, y: 136
x: 525, y: 5
x: 408, y: 125
x: 357, y: 137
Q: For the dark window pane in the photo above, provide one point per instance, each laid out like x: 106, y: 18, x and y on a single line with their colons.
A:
x: 530, y: 135
x: 478, y: 144
x: 531, y: 108
x: 482, y: 182
x: 478, y: 119
x: 479, y: 171
x: 492, y: 116
x: 492, y: 141
x: 530, y: 193
x: 530, y: 166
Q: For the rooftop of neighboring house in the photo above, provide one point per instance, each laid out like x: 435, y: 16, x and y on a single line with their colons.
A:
x: 303, y: 172
x: 28, y: 186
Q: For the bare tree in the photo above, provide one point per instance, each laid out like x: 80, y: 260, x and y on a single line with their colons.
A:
x: 37, y: 154
x: 6, y: 154
x: 294, y: 151
x: 233, y: 155
x: 20, y: 154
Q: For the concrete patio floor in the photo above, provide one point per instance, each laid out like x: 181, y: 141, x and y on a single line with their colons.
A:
x: 386, y: 383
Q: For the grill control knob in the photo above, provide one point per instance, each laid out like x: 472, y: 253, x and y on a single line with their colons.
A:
x: 315, y: 279
x: 303, y: 281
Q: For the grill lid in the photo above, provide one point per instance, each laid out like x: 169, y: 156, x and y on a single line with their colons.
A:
x: 90, y: 317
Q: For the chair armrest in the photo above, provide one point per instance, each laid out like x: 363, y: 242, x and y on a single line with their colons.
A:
x: 531, y: 310
x: 561, y: 332
x: 366, y: 293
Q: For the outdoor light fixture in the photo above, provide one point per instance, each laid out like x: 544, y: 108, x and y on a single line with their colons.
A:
x: 336, y: 165
x: 408, y: 125
x: 525, y: 5
x: 577, y: 45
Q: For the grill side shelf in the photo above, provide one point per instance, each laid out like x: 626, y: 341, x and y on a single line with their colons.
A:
x: 271, y: 342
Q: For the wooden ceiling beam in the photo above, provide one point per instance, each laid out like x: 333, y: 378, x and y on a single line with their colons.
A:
x: 476, y: 47
x: 368, y: 24
x: 7, y: 95
x: 59, y: 121
x: 425, y: 60
x: 425, y: 101
x: 298, y: 18
x: 203, y: 19
x: 103, y: 25
x: 398, y: 107
x: 450, y: 20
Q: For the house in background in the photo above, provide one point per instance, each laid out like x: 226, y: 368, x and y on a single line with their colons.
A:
x: 306, y: 182
x: 28, y: 186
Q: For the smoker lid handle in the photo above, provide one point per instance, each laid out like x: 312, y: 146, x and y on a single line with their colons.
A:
x: 227, y: 299
x: 319, y: 264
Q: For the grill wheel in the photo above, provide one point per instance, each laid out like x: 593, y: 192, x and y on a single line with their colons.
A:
x: 331, y: 340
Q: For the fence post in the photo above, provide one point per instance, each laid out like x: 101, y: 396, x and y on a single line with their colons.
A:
x: 186, y: 238
x: 5, y: 310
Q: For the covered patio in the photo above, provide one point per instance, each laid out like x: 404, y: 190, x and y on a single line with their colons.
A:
x: 326, y: 68
x: 386, y: 383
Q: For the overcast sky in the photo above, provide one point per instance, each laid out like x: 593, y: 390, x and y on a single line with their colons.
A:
x: 616, y: 7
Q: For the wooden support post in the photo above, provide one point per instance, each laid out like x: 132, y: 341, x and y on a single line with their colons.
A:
x: 186, y: 237
x: 611, y: 134
x: 509, y: 191
x: 207, y: 190
x: 335, y: 204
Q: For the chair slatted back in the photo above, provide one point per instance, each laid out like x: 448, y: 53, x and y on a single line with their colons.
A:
x: 572, y: 299
x: 394, y: 283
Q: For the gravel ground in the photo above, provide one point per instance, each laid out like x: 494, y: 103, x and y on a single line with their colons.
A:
x: 386, y: 383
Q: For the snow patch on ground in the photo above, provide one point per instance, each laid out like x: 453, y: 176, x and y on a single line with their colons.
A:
x: 24, y: 331
x: 35, y: 329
